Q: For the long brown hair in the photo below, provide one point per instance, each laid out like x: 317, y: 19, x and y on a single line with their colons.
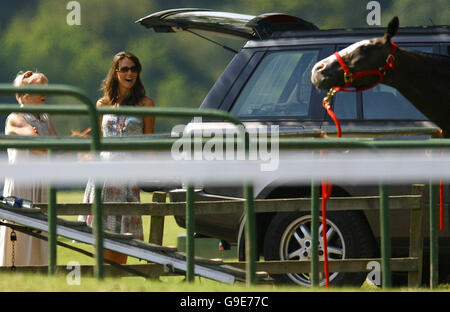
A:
x: 110, y: 85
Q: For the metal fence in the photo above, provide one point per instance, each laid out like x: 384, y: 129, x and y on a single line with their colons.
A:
x: 96, y: 144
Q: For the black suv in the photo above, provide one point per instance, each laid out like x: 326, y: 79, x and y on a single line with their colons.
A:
x: 268, y: 82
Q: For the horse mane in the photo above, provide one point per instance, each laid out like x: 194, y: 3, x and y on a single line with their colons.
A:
x: 438, y: 57
x: 436, y: 62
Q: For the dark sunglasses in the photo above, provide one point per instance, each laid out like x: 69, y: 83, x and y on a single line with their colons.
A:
x: 125, y: 69
x: 26, y: 74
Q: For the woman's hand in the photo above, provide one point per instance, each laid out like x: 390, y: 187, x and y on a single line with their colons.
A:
x: 83, y: 134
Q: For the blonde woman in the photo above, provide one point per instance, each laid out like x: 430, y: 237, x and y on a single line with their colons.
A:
x: 26, y: 250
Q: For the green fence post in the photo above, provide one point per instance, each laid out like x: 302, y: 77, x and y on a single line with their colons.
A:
x: 385, y: 237
x: 314, y: 234
x: 190, y: 239
x: 97, y: 204
x: 250, y: 235
x: 97, y: 227
x: 51, y: 219
x: 434, y: 246
x: 250, y: 223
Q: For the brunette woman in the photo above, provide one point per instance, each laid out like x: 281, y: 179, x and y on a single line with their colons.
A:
x: 122, y: 87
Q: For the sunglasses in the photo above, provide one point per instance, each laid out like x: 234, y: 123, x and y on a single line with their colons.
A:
x: 26, y: 74
x: 125, y: 69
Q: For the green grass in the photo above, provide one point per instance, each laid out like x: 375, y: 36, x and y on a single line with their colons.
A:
x: 14, y: 281
x: 171, y: 231
x: 17, y: 282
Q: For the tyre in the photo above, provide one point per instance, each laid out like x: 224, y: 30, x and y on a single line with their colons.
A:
x: 288, y: 237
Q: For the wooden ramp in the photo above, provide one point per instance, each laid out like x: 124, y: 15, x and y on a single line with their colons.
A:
x: 126, y: 244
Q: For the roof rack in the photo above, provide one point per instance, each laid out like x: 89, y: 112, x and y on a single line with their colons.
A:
x: 374, y: 31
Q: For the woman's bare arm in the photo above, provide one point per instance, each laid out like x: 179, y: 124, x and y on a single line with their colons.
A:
x: 149, y: 122
x: 17, y: 125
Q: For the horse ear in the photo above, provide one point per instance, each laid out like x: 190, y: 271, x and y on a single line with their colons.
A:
x: 391, y: 29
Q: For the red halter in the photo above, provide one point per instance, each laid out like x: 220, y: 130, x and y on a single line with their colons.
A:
x: 380, y: 72
x: 349, y: 78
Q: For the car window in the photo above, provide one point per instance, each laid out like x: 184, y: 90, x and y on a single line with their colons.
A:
x: 280, y: 86
x: 345, y: 105
x: 384, y: 102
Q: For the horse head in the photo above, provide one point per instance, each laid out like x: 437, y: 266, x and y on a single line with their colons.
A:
x: 364, y: 60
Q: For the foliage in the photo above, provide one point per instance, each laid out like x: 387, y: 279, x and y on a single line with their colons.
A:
x: 179, y: 69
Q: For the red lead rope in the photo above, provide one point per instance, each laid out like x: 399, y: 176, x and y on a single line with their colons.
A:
x: 326, y: 194
x: 327, y: 106
x: 441, y: 205
x: 326, y: 191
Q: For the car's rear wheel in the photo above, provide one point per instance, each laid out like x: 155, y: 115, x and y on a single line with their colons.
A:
x: 288, y: 237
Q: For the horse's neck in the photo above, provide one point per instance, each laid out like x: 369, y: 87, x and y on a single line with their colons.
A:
x: 419, y: 76
x: 424, y: 80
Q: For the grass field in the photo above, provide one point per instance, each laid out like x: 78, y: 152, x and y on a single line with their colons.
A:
x: 13, y: 281
x: 171, y: 231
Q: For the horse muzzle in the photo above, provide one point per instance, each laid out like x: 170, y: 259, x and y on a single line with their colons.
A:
x: 321, y: 74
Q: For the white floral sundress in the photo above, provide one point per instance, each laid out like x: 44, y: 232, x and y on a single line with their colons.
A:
x: 115, y: 125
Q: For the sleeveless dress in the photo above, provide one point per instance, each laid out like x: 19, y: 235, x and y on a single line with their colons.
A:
x: 115, y: 125
x: 28, y: 250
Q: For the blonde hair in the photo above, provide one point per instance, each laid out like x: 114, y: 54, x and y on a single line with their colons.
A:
x: 27, y: 78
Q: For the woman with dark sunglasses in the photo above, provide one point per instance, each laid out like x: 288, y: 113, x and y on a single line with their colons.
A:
x: 121, y: 87
x: 18, y: 249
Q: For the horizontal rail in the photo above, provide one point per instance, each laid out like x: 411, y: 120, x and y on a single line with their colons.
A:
x: 406, y: 264
x: 388, y: 131
x: 346, y: 143
x: 343, y: 265
x: 158, y: 143
x: 54, y: 109
x: 237, y: 206
x: 181, y: 112
x: 149, y: 269
x: 54, y: 89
